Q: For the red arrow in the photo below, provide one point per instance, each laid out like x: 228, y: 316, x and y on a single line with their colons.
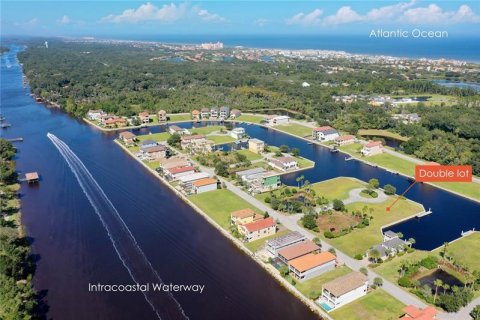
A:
x: 400, y: 196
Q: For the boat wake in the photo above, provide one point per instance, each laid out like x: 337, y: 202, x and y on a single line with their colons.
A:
x: 140, y: 269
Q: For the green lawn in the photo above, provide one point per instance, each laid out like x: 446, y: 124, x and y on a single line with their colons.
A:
x: 162, y: 136
x: 304, y: 162
x: 250, y: 155
x: 217, y: 139
x: 381, y: 133
x: 390, y: 269
x: 375, y: 305
x: 295, y: 129
x: 179, y: 117
x: 337, y: 188
x: 255, y: 245
x: 470, y: 189
x: 219, y: 204
x: 152, y: 164
x: 360, y: 240
x: 207, y: 130
x: 466, y: 251
x: 250, y: 118
x: 315, y: 284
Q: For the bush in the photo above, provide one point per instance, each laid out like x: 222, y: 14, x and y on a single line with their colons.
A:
x: 329, y: 235
x: 338, y: 205
x: 389, y: 189
x: 364, y: 271
x: 429, y: 262
x: 284, y: 271
x: 309, y: 221
x: 314, y: 295
x: 378, y: 281
x: 267, y: 200
x: 405, y: 282
x: 359, y: 256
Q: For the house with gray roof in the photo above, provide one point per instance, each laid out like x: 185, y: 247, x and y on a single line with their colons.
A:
x: 224, y: 112
x: 291, y: 238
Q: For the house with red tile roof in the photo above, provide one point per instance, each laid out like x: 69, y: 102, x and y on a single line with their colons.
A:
x: 258, y: 229
x: 344, y: 140
x: 412, y: 312
x: 177, y: 172
x: 372, y: 148
x: 244, y: 216
x: 127, y: 137
x: 297, y: 250
x: 204, y: 185
x: 325, y: 133
x: 311, y: 265
x: 144, y: 117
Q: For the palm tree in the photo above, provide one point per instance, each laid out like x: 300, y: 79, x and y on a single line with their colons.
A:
x: 446, y: 286
x: 437, y: 283
x: 412, y: 241
x: 375, y: 254
x: 444, y: 253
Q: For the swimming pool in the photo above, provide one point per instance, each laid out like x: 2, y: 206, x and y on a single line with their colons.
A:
x: 325, y: 306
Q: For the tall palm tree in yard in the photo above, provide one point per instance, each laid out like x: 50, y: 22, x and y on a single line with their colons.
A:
x: 437, y: 283
x: 445, y: 287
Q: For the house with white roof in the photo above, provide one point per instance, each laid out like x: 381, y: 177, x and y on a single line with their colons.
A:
x: 237, y: 133
x: 325, y: 133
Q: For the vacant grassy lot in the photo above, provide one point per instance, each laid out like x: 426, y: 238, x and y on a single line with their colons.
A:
x: 304, y: 163
x: 390, y: 269
x: 250, y: 155
x: 466, y: 251
x: 162, y: 136
x: 220, y: 139
x: 315, y: 284
x: 381, y: 133
x: 250, y: 118
x: 360, y: 240
x: 375, y: 305
x: 179, y: 117
x: 337, y: 188
x: 207, y: 130
x: 219, y: 204
x: 295, y: 129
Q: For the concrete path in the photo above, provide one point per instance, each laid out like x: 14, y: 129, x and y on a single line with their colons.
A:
x: 354, y: 196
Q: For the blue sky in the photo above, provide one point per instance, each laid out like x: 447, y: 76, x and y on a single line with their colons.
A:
x: 103, y: 18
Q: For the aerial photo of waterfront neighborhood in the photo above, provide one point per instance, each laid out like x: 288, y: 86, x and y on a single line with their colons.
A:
x: 280, y: 174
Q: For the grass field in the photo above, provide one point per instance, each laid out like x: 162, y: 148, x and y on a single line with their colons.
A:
x: 337, y: 188
x: 250, y: 155
x: 381, y: 133
x: 162, y: 136
x: 390, y: 269
x: 360, y: 240
x: 179, y: 117
x: 375, y: 305
x: 315, y: 284
x: 304, y: 162
x: 466, y: 251
x: 255, y: 245
x: 219, y: 204
x: 295, y: 129
x: 217, y: 139
x: 250, y: 118
x: 207, y: 130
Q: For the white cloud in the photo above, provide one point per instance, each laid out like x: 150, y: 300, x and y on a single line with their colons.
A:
x: 433, y: 14
x: 308, y: 19
x: 64, y: 20
x: 404, y: 12
x: 168, y: 13
x: 262, y: 22
x: 343, y: 15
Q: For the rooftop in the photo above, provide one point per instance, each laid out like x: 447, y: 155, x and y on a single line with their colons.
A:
x: 285, y: 239
x: 311, y: 260
x: 372, y: 144
x: 250, y: 171
x: 345, y: 138
x: 194, y: 176
x: 127, y: 135
x: 257, y: 141
x: 31, y: 176
x: 156, y: 148
x: 390, y: 234
x: 176, y: 170
x: 412, y: 312
x: 204, y: 182
x: 244, y: 213
x: 298, y: 250
x: 260, y: 224
x: 147, y: 142
x: 324, y: 128
x: 193, y: 137
x: 345, y: 284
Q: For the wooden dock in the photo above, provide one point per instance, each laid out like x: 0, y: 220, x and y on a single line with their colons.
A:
x: 424, y: 213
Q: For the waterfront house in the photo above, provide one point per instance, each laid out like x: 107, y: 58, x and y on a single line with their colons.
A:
x: 162, y: 116
x: 258, y: 229
x: 311, y: 265
x: 224, y: 113
x: 237, y: 133
x: 176, y: 161
x: 114, y: 122
x: 244, y: 216
x: 297, y: 250
x: 176, y: 129
x: 276, y: 120
x: 95, y: 114
x: 343, y: 290
x: 127, y: 137
x: 284, y: 163
x: 147, y: 144
x: 204, y: 185
x: 144, y: 117
x: 205, y: 113
x: 192, y: 140
x: 258, y: 181
x: 235, y: 113
x: 389, y: 235
x: 195, y: 115
x: 155, y: 152
x: 344, y: 140
x: 372, y: 148
x: 325, y: 133
x: 244, y: 173
x: 414, y: 313
x: 177, y: 172
x: 214, y: 112
x: 390, y: 246
x: 256, y: 145
x: 276, y: 244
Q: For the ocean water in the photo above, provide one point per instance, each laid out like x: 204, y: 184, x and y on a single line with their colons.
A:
x: 465, y: 48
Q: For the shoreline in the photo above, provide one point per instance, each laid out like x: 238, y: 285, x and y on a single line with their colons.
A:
x: 269, y: 269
